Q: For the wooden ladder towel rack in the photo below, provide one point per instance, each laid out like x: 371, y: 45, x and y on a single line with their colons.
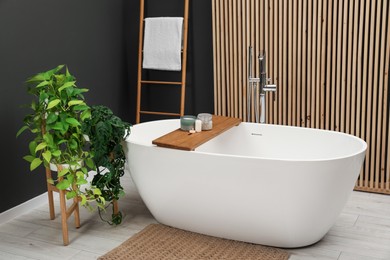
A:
x: 141, y: 82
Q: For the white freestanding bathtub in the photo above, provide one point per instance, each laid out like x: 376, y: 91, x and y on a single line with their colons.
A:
x: 265, y: 184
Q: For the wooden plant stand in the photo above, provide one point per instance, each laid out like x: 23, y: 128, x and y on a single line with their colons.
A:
x: 65, y: 212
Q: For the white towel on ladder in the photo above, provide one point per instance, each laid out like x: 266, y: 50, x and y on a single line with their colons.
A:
x: 162, y: 43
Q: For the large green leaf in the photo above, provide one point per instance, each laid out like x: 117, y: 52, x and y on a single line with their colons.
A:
x: 76, y: 102
x: 80, y: 178
x: 36, y: 78
x: 48, y: 139
x: 63, y: 185
x: 48, y: 74
x: 61, y: 141
x: 71, y: 194
x: 41, y: 146
x: 53, y: 103
x: 70, y: 178
x: 42, y: 84
x: 21, y: 130
x: 80, y: 107
x: 81, y: 182
x: 73, y: 144
x: 29, y: 158
x: 66, y: 85
x: 55, y: 70
x: 58, y: 126
x: 51, y: 118
x: 35, y: 163
x: 72, y: 121
x: 47, y: 156
x: 56, y: 153
x: 85, y: 115
x: 89, y: 163
x: 32, y: 146
x: 43, y: 96
x: 63, y: 172
x: 83, y: 199
x: 97, y: 191
x: 78, y: 91
x: 33, y: 105
x: 67, y: 73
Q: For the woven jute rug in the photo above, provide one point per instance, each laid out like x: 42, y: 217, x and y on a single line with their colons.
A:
x: 158, y: 241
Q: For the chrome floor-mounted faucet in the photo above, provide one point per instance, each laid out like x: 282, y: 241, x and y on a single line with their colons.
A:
x: 257, y: 88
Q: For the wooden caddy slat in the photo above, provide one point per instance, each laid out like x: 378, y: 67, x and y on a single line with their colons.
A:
x: 140, y: 81
x: 182, y: 140
x: 329, y: 60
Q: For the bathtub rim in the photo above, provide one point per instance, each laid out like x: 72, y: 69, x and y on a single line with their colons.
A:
x: 361, y: 141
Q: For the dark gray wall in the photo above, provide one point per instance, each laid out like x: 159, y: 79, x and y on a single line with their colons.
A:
x: 98, y: 40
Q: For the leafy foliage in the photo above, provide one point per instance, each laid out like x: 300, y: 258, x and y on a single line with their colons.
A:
x: 106, y: 133
x: 58, y: 111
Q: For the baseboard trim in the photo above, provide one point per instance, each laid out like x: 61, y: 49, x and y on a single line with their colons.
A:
x: 23, y: 208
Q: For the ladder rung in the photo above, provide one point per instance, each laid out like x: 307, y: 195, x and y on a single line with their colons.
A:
x: 161, y: 82
x: 180, y: 51
x: 159, y: 113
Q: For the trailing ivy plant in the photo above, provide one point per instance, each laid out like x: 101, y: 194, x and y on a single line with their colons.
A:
x: 106, y: 133
x: 58, y: 111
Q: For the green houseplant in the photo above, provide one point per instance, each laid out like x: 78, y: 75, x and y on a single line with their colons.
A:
x: 106, y: 133
x: 58, y: 111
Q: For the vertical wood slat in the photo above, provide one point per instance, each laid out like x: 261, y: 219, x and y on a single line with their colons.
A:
x: 386, y: 155
x: 294, y: 30
x: 370, y: 94
x: 299, y: 63
x: 329, y: 59
x: 338, y: 62
x: 314, y: 65
x: 241, y: 97
x: 275, y: 59
x: 324, y: 21
x: 349, y: 68
x: 289, y: 68
x: 365, y: 89
x: 385, y: 173
x: 216, y: 69
x: 375, y: 172
x: 333, y: 61
x: 304, y: 64
x: 328, y: 83
x: 360, y: 85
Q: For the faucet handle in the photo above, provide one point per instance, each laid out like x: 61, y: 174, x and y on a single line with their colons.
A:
x: 269, y: 87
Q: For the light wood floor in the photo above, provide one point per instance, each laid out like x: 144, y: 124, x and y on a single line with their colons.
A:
x: 361, y: 232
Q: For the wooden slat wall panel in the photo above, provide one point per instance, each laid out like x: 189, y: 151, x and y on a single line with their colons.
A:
x: 329, y: 59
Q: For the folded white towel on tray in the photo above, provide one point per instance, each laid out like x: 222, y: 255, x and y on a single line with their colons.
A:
x: 162, y: 43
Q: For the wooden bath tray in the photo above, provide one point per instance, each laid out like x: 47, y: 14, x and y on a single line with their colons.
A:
x: 183, y: 140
